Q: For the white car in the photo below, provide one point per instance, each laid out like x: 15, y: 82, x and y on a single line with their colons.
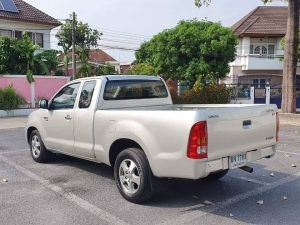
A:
x: 131, y: 124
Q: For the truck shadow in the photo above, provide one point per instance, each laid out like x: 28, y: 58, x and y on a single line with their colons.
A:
x: 88, y: 166
x: 233, y: 197
x: 202, y: 193
x: 200, y: 196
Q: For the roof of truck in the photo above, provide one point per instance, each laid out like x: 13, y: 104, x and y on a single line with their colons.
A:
x: 123, y: 77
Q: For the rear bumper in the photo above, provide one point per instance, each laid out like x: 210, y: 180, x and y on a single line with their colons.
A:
x: 223, y: 164
x: 196, y: 169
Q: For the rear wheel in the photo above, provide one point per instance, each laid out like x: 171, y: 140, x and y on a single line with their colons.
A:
x: 216, y: 175
x: 133, y: 175
x: 38, y: 151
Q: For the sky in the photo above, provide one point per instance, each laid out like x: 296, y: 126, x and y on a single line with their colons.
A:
x: 125, y: 24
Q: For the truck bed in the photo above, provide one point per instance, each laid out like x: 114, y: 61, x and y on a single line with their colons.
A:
x: 232, y: 129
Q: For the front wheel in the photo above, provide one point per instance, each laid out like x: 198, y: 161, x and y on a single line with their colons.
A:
x: 38, y: 151
x: 133, y: 175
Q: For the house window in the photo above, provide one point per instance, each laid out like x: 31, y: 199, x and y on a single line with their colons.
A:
x: 264, y: 50
x: 271, y: 50
x: 251, y: 49
x: 18, y: 34
x: 39, y: 39
x: 259, y: 83
x: 257, y: 50
x: 36, y: 38
x: 5, y: 33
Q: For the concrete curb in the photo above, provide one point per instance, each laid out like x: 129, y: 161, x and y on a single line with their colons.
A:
x: 16, y: 113
x: 12, y: 122
x: 290, y: 119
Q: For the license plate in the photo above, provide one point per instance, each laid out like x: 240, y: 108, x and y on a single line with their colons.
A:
x: 237, y: 161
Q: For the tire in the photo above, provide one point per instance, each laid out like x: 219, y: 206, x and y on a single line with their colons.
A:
x: 133, y: 176
x: 216, y: 175
x: 38, y: 151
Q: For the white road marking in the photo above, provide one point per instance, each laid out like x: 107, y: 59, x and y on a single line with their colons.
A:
x: 251, y: 180
x: 193, y: 215
x: 13, y: 151
x: 291, y: 153
x: 100, y: 213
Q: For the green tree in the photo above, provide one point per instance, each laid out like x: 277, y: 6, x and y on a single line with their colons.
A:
x: 199, y: 3
x: 141, y: 69
x: 5, y: 55
x: 17, y: 57
x: 290, y: 57
x: 64, y: 36
x: 85, y: 39
x: 193, y: 50
x: 10, y: 61
x: 50, y: 60
x: 85, y: 69
x: 26, y: 49
x: 105, y: 70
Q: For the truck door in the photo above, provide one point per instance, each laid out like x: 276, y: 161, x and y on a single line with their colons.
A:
x: 84, y: 119
x: 58, y: 121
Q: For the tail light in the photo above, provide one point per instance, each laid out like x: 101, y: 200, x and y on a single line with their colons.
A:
x: 277, y: 127
x: 198, y: 141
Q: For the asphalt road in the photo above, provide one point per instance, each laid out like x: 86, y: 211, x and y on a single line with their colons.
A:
x: 73, y: 191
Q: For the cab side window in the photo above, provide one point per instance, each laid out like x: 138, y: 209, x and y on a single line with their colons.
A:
x: 66, y: 97
x: 87, y: 94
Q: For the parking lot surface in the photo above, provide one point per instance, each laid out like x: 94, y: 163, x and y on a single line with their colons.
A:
x: 74, y: 191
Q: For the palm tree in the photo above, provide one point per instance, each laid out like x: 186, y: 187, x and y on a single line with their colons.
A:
x: 27, y: 49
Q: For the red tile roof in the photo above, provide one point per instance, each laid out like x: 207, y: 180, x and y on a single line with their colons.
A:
x: 28, y: 13
x: 268, y: 21
x: 99, y: 56
x: 96, y: 56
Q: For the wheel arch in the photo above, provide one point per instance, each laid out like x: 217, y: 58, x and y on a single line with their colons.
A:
x: 29, y: 131
x: 120, y: 145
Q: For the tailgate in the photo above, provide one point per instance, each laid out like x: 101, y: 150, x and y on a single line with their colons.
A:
x: 240, y: 129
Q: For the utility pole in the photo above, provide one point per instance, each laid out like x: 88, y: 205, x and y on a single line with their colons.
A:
x: 73, y: 46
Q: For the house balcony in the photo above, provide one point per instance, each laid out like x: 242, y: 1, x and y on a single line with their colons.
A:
x: 259, y: 62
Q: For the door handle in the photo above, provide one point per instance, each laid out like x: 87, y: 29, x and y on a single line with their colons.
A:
x: 46, y: 118
x: 68, y: 117
x: 247, y: 124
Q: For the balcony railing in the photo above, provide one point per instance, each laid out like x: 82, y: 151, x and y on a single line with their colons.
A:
x: 262, y: 62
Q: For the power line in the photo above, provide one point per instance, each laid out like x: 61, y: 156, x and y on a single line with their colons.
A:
x: 122, y: 32
x: 118, y: 47
x: 112, y: 47
x: 124, y: 37
x: 117, y: 41
x: 107, y: 30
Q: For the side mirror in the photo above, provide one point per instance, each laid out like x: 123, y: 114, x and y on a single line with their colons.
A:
x: 43, y: 104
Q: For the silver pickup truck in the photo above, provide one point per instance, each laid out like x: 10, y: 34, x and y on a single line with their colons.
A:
x: 131, y: 124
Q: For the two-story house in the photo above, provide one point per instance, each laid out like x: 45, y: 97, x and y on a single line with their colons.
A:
x: 17, y: 17
x: 259, y: 59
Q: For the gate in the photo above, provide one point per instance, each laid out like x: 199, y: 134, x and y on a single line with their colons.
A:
x: 276, y: 95
x: 260, y: 96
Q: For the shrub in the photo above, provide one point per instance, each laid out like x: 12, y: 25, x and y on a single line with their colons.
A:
x: 59, y: 73
x: 213, y: 94
x: 9, y: 99
x: 172, y: 85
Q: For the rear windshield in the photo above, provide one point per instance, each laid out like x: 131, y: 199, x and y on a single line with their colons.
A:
x: 134, y: 89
